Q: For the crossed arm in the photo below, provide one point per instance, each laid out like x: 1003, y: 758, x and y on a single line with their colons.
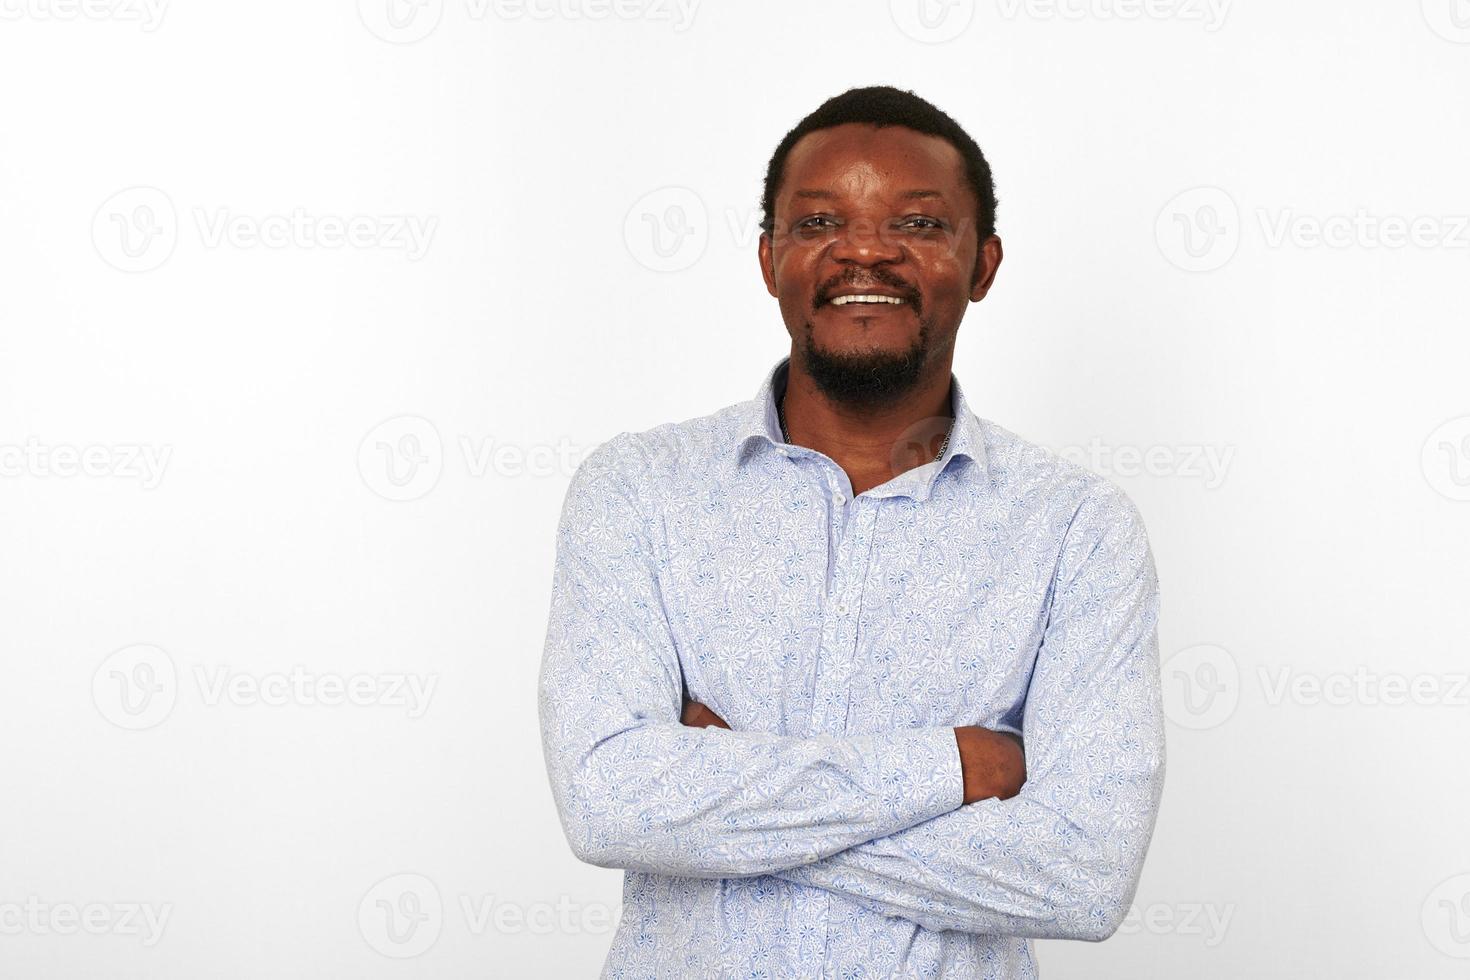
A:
x: 992, y: 763
x: 908, y: 823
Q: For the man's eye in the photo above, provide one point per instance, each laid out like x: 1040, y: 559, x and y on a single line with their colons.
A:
x: 813, y: 222
x: 921, y: 223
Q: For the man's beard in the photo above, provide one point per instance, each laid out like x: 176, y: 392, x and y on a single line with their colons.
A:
x: 868, y: 379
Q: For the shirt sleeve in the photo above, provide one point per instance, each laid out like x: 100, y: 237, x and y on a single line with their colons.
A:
x: 1061, y: 859
x: 637, y: 789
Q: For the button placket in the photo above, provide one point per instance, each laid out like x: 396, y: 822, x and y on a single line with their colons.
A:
x: 860, y: 560
x: 830, y: 654
x: 840, y: 619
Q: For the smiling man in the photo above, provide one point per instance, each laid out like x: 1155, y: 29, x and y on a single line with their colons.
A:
x: 849, y: 680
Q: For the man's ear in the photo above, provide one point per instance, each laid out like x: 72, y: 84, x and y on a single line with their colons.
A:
x: 987, y: 263
x: 767, y: 257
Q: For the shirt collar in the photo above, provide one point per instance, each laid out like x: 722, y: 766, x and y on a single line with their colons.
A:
x: 759, y: 426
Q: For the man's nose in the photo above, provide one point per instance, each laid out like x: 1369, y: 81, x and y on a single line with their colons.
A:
x: 866, y: 241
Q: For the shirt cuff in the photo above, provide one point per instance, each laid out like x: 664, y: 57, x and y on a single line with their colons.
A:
x: 920, y: 774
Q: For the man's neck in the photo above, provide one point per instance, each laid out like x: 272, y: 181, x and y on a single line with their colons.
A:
x: 871, y: 444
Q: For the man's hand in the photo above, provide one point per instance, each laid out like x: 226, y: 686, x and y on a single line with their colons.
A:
x: 994, y: 763
x: 696, y: 715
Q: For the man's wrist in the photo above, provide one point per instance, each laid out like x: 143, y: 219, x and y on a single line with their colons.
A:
x: 993, y: 763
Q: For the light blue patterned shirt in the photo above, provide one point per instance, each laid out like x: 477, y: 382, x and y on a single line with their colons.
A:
x: 843, y: 638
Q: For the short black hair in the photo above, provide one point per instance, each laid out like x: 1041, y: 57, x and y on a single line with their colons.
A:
x: 883, y: 105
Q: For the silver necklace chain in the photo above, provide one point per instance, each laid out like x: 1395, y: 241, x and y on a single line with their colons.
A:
x: 781, y: 417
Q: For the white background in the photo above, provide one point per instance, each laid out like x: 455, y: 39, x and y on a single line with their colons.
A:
x: 324, y: 419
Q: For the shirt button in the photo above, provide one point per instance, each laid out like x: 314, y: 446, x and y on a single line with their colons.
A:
x: 837, y: 499
x: 842, y: 608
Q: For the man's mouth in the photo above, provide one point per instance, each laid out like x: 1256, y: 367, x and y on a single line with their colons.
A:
x: 867, y: 298
x: 870, y: 298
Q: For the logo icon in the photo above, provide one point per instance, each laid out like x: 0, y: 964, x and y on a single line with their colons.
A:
x: 667, y: 230
x: 401, y: 459
x: 1450, y: 19
x: 932, y: 21
x: 136, y: 229
x: 400, y: 21
x: 1199, y: 230
x: 401, y: 916
x: 1201, y: 686
x: 1446, y: 917
x: 136, y: 687
x: 919, y: 443
x: 1445, y: 459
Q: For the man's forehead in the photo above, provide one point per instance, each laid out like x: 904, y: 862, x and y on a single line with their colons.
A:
x: 914, y: 194
x: 856, y: 156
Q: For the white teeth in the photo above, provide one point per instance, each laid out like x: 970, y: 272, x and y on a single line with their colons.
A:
x: 844, y: 300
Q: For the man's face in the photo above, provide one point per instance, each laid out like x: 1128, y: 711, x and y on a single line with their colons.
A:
x: 872, y: 212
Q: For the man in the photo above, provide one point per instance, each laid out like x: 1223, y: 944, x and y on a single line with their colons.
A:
x: 794, y: 645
